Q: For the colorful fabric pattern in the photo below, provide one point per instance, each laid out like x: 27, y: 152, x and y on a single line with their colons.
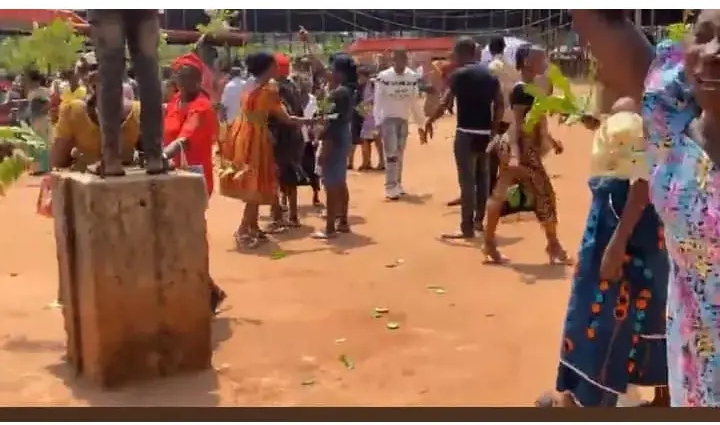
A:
x: 614, y: 331
x: 685, y: 188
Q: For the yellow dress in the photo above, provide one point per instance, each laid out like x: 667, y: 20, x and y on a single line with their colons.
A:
x: 618, y: 148
x: 67, y: 95
x: 75, y: 124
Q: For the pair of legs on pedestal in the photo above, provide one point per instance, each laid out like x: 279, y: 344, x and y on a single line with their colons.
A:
x: 110, y: 29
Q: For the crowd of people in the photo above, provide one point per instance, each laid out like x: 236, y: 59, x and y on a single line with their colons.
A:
x: 283, y: 123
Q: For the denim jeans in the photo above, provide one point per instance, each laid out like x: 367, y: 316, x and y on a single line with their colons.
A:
x: 394, y: 132
x: 472, y: 168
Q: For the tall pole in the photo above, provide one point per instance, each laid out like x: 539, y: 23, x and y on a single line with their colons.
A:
x: 638, y: 18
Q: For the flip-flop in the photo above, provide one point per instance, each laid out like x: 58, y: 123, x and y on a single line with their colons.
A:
x: 275, y: 228
x: 456, y: 236
x: 217, y: 297
x: 545, y: 400
x: 320, y: 235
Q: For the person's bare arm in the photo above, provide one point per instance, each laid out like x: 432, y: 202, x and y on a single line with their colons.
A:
x: 604, y: 30
x: 516, y: 129
x: 62, y: 144
x: 498, y: 111
x: 445, y: 102
x: 638, y: 199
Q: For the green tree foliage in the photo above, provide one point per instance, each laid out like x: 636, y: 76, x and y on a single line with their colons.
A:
x: 18, y: 147
x: 168, y: 52
x: 563, y: 102
x: 50, y: 48
x: 219, y: 21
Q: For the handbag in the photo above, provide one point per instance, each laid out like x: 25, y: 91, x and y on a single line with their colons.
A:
x: 44, y: 199
x: 518, y: 199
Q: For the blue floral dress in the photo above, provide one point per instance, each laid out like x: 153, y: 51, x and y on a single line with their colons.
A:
x: 614, y: 332
x: 685, y: 189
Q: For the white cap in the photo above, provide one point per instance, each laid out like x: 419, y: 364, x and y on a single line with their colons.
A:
x: 90, y: 58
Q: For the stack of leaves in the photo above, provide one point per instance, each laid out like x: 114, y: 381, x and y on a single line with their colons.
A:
x: 18, y: 147
x: 219, y: 21
x: 573, y: 108
x: 677, y: 32
x: 561, y: 102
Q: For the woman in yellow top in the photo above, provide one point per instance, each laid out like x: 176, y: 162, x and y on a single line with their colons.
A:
x: 65, y: 89
x: 614, y: 332
x: 76, y: 138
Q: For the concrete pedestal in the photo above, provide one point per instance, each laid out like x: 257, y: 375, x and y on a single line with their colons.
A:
x: 133, y: 261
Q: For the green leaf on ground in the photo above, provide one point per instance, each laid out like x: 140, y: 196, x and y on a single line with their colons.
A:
x: 392, y: 325
x: 437, y: 289
x: 54, y: 305
x: 395, y: 263
x: 278, y: 255
x: 346, y: 361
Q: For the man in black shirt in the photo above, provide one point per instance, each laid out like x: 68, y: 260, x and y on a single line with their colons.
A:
x: 480, y: 108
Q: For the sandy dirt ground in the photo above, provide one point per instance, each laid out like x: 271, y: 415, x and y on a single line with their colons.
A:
x: 469, y: 333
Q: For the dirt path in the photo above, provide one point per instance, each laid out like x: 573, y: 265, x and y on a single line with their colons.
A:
x: 490, y: 339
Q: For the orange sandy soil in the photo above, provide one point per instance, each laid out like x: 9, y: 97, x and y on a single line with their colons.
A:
x: 491, y: 339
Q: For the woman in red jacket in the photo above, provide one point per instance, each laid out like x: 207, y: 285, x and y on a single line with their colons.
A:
x: 190, y: 128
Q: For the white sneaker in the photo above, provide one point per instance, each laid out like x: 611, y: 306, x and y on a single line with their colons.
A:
x: 392, y: 194
x: 401, y: 190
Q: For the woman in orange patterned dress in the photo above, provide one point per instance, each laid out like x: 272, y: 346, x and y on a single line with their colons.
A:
x: 249, y: 149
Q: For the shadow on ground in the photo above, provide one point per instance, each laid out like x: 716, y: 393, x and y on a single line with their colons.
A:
x: 531, y: 273
x: 192, y: 389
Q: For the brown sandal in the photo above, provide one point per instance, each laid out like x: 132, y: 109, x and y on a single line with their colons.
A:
x: 557, y: 255
x: 275, y: 227
x: 492, y: 255
x: 248, y: 240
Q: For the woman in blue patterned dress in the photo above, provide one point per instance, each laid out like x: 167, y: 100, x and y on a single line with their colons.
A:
x: 679, y: 87
x: 614, y: 332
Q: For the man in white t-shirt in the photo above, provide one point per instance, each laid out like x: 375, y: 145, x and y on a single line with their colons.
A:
x: 396, y: 98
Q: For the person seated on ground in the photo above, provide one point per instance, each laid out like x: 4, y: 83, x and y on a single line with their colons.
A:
x: 34, y: 84
x: 76, y: 139
x: 67, y: 87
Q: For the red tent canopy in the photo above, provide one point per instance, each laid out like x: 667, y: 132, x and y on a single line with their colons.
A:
x: 23, y: 18
x: 370, y: 45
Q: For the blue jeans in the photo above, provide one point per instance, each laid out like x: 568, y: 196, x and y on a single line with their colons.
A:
x: 394, y: 132
x: 334, y: 171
